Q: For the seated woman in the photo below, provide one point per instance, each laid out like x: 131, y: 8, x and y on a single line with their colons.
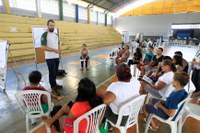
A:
x: 34, y: 80
x: 124, y: 57
x: 86, y: 100
x: 180, y: 63
x: 155, y: 75
x: 161, y: 86
x: 126, y: 88
x: 84, y: 56
x: 137, y: 58
x: 166, y: 109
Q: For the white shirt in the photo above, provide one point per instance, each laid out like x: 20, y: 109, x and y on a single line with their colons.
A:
x: 124, y: 91
x: 167, y: 79
x: 52, y: 42
x: 197, y: 58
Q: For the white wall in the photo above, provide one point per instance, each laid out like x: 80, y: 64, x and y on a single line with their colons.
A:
x: 154, y: 25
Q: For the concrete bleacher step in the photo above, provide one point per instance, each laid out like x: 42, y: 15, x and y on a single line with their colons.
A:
x: 72, y: 35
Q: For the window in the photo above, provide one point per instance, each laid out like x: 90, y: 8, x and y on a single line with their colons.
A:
x: 69, y: 10
x: 23, y: 4
x: 49, y: 6
x: 93, y: 16
x: 1, y: 3
x: 101, y: 18
x: 82, y: 12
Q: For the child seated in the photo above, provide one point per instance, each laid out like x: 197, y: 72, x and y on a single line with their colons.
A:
x: 166, y: 109
x: 34, y: 80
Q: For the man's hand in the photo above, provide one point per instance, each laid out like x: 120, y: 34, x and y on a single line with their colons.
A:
x: 159, y: 104
x: 58, y: 51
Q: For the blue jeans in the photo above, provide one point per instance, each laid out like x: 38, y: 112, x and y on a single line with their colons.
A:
x: 53, y: 70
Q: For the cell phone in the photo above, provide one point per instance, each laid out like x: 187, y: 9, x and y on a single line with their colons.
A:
x: 70, y: 104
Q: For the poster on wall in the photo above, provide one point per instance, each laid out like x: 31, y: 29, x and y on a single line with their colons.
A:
x: 37, y: 33
x: 3, y: 63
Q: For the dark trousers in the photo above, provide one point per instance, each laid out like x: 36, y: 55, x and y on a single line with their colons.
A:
x: 86, y: 62
x: 131, y: 62
x: 196, y: 79
x: 113, y: 117
x: 53, y: 70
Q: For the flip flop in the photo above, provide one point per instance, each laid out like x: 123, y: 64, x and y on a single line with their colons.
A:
x: 150, y: 127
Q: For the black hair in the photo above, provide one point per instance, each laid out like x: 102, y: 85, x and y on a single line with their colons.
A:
x: 87, y: 92
x: 123, y: 72
x: 178, y: 53
x: 151, y: 47
x: 84, y: 44
x: 50, y: 20
x: 167, y: 58
x: 170, y: 64
x: 138, y: 52
x: 35, y: 77
x: 178, y: 60
x: 161, y: 49
x: 182, y: 78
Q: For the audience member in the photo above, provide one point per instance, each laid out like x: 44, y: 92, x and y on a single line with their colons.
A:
x: 124, y: 57
x: 86, y: 100
x: 154, y: 62
x: 147, y: 56
x: 180, y: 63
x: 196, y: 71
x: 126, y: 88
x: 166, y: 109
x: 34, y: 80
x: 137, y: 58
x: 162, y: 85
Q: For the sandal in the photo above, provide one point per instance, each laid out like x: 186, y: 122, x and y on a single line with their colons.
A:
x: 150, y: 127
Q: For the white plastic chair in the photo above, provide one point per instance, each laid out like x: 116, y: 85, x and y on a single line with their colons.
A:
x: 134, y: 105
x: 191, y: 110
x: 93, y: 118
x: 29, y: 102
x: 135, y: 72
x: 172, y: 123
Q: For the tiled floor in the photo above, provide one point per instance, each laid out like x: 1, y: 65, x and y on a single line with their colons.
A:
x: 101, y: 68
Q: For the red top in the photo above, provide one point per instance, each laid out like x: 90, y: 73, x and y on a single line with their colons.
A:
x: 78, y: 109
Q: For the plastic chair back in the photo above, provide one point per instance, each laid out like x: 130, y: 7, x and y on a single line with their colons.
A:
x: 134, y: 105
x: 93, y: 118
x: 30, y: 102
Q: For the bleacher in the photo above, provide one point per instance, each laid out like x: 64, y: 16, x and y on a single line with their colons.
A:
x: 17, y: 30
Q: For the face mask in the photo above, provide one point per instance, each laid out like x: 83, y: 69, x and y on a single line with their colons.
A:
x: 51, y: 30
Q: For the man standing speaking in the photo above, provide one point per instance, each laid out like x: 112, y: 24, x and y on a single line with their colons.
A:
x: 50, y: 44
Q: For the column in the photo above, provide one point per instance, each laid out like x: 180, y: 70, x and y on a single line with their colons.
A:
x: 60, y: 4
x: 76, y: 12
x: 7, y: 6
x: 38, y: 9
x: 88, y: 10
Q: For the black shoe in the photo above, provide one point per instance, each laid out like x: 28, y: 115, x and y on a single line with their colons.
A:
x: 59, y: 87
x: 55, y: 92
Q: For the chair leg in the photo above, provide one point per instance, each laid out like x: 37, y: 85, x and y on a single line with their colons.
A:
x: 173, y: 127
x: 122, y: 130
x: 137, y: 127
x: 27, y: 124
x: 148, y: 123
x: 48, y: 129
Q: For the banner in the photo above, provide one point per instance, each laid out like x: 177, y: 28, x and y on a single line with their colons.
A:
x: 3, y: 63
